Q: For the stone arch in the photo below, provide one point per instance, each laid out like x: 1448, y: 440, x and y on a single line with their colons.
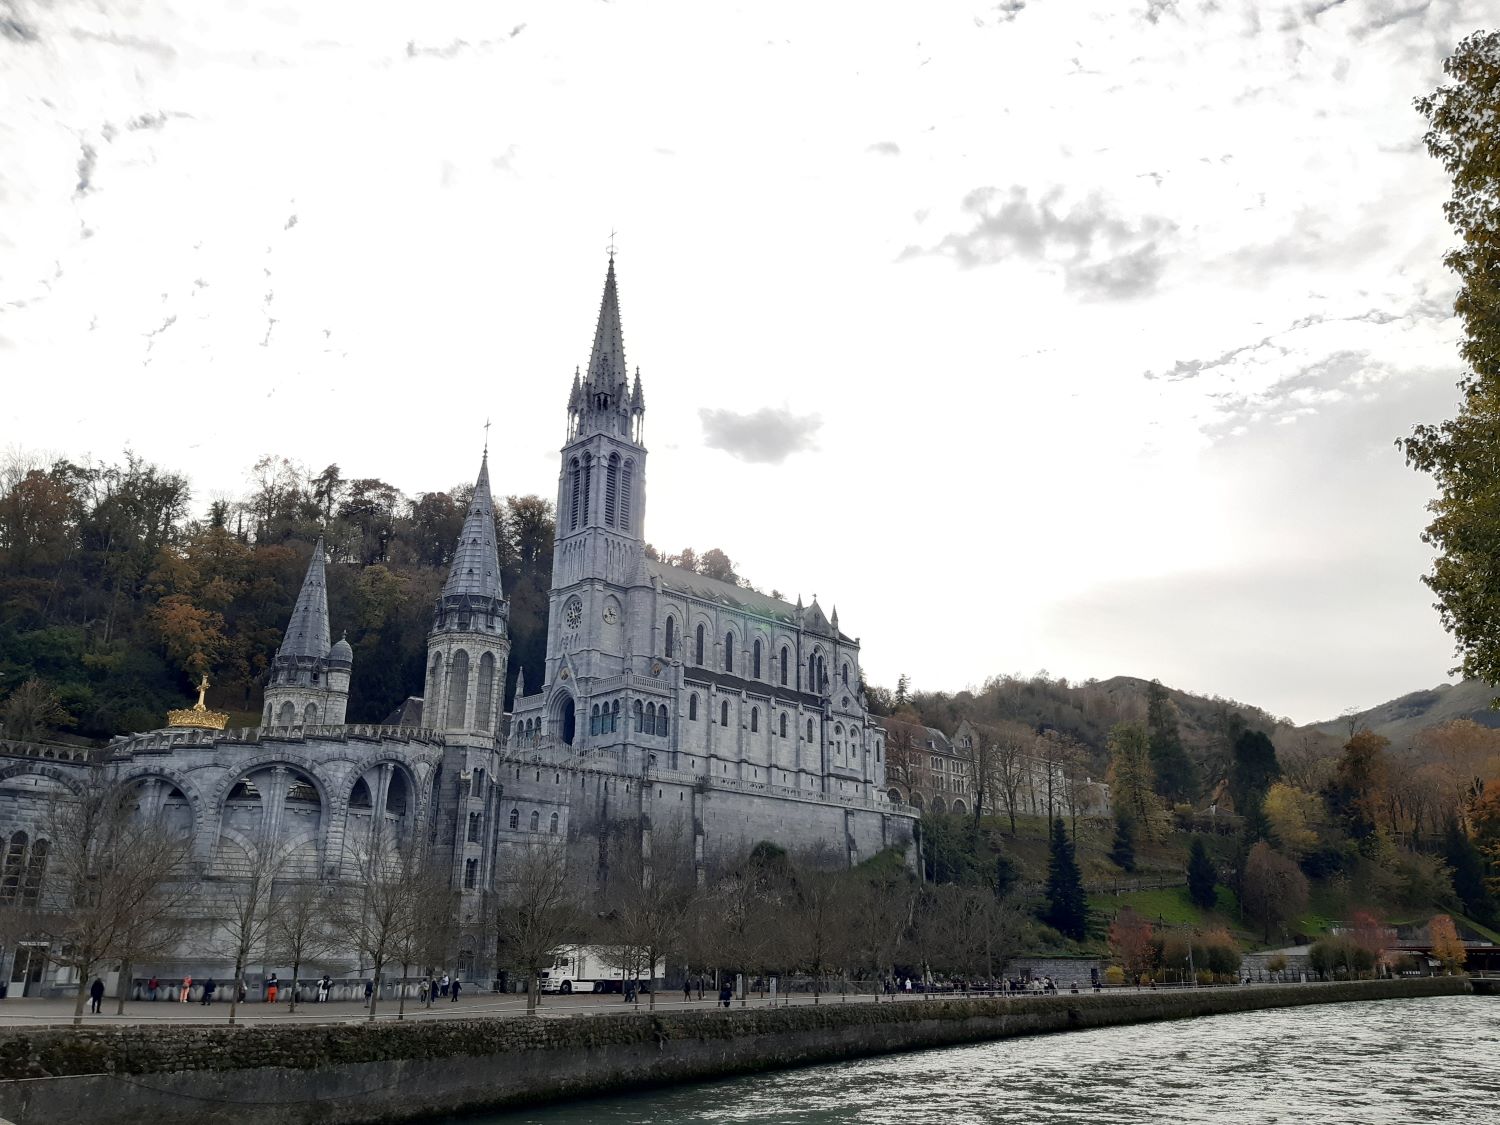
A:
x: 154, y: 772
x: 52, y: 773
x: 959, y: 808
x: 939, y: 806
x: 484, y: 697
x: 458, y: 690
x: 895, y: 795
x: 287, y: 716
x: 916, y: 801
x: 563, y: 717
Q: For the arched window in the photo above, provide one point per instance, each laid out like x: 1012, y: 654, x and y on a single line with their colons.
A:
x: 458, y: 689
x: 661, y: 721
x: 671, y: 636
x: 724, y: 714
x: 588, y: 485
x: 575, y: 493
x: 877, y: 751
x: 755, y: 663
x: 729, y: 652
x: 611, y: 488
x: 435, y: 680
x: 693, y: 707
x: 310, y: 715
x: 786, y: 660
x: 822, y: 675
x: 484, y: 695
x: 640, y: 717
x: 536, y: 820
x: 809, y: 730
x: 36, y: 871
x: 594, y: 719
x: 15, y: 856
x: 812, y: 670
x: 471, y: 873
x: 846, y: 673
x: 614, y: 717
x: 287, y: 715
x: 552, y: 825
x: 698, y: 653
x: 515, y: 818
x: 754, y: 720
x: 650, y: 718
x: 783, y: 724
x: 627, y: 486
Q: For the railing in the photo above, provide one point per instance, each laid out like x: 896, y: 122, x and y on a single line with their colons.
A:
x: 48, y: 751
x: 166, y: 740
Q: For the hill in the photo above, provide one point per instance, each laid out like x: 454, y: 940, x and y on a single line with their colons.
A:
x: 1400, y: 719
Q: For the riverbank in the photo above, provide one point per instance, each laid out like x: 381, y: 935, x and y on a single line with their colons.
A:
x: 291, y: 1075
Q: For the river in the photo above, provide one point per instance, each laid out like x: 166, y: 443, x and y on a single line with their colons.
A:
x: 1373, y: 1062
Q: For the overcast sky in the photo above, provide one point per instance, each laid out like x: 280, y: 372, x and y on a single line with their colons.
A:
x: 1034, y: 335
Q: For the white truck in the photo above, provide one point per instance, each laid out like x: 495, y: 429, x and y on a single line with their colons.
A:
x: 594, y: 968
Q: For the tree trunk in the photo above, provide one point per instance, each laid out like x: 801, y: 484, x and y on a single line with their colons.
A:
x: 375, y: 991
x: 401, y: 991
x: 83, y: 984
x: 234, y: 986
x: 296, y: 965
x: 122, y: 988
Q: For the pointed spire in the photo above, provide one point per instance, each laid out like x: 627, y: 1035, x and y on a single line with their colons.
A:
x: 476, y: 562
x: 307, y: 631
x: 607, y: 368
x: 835, y: 620
x: 637, y: 400
x: 520, y: 682
x: 575, y: 399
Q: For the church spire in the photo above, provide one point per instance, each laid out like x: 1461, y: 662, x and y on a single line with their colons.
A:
x: 607, y: 370
x: 307, y: 631
x: 476, y: 562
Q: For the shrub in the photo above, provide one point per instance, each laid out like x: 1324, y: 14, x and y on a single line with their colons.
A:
x: 1114, y: 975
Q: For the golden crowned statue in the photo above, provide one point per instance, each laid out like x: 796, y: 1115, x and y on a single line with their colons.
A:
x: 198, y: 715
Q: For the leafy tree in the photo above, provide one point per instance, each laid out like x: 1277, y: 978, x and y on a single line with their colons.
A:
x: 1294, y: 816
x: 1130, y: 943
x: 1275, y: 891
x: 1130, y: 777
x: 1122, y: 848
x: 1468, y: 873
x: 1202, y: 878
x: 1459, y: 453
x: 1356, y: 792
x: 1176, y: 779
x: 32, y: 710
x: 1446, y: 945
x: 1067, y: 908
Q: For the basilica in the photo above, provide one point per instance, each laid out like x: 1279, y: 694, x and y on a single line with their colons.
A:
x: 672, y: 707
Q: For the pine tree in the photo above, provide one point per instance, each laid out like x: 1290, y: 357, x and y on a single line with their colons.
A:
x: 1122, y: 849
x: 1201, y: 877
x: 1067, y: 907
x: 1252, y: 771
x: 1468, y: 873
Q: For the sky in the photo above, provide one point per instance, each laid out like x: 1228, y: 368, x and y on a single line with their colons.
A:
x: 1031, y: 335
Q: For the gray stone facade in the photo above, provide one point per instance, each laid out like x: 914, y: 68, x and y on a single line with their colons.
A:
x: 671, y: 704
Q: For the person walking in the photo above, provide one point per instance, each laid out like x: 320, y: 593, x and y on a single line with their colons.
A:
x: 687, y: 990
x: 152, y: 985
x: 323, y: 986
x: 726, y: 994
x: 96, y: 995
x: 369, y: 990
x: 443, y: 984
x: 208, y: 992
x: 453, y: 994
x: 272, y: 987
x: 187, y: 988
x: 422, y: 990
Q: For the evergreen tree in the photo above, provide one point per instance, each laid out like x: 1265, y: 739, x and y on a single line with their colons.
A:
x: 1253, y: 769
x: 1007, y: 875
x: 1067, y: 908
x: 1130, y: 778
x: 1201, y: 877
x: 1468, y: 873
x: 1122, y: 849
x: 1176, y: 779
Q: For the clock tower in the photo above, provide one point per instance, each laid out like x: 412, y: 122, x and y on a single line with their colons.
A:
x: 598, y: 556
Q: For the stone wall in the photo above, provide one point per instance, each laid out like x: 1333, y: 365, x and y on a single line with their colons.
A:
x: 393, y: 1072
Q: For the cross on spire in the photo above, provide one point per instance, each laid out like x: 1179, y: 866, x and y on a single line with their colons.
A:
x: 486, y: 437
x: 612, y: 233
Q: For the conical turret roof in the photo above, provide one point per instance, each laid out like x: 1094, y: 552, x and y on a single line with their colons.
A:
x: 307, y: 632
x: 476, y: 561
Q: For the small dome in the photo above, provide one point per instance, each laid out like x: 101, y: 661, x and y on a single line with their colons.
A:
x: 341, y: 650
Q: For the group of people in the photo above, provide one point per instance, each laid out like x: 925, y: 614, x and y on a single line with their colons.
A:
x: 448, y: 987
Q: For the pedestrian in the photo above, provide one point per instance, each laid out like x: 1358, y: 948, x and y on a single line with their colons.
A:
x: 907, y: 984
x: 152, y: 985
x: 323, y: 986
x: 241, y: 991
x: 422, y: 991
x: 453, y: 996
x: 96, y: 995
x: 726, y: 994
x: 687, y: 990
x: 208, y: 992
x: 187, y: 987
x: 272, y: 986
x: 369, y: 990
x: 443, y: 984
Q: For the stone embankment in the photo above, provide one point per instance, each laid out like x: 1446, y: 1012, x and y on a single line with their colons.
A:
x: 389, y: 1072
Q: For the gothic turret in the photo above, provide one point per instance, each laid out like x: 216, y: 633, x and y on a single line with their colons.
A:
x: 604, y: 402
x: 469, y: 646
x: 309, y: 683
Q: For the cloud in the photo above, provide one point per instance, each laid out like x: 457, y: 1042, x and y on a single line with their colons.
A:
x: 164, y: 51
x: 1101, y: 254
x: 884, y: 148
x: 1155, y: 9
x: 766, y: 437
x: 86, y: 161
x: 12, y: 27
x: 1008, y: 10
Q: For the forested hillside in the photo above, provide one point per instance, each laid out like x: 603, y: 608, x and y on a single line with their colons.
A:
x: 113, y: 598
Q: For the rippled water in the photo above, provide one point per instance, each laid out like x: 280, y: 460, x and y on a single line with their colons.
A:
x: 1382, y: 1061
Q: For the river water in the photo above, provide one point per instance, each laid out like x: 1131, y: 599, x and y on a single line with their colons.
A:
x: 1382, y: 1061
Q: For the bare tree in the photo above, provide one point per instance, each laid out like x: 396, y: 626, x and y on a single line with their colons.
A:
x: 1010, y: 764
x: 536, y: 912
x: 375, y: 914
x: 649, y: 900
x: 429, y: 921
x: 881, y: 912
x: 301, y: 928
x: 120, y: 879
x: 817, y: 916
x: 245, y: 913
